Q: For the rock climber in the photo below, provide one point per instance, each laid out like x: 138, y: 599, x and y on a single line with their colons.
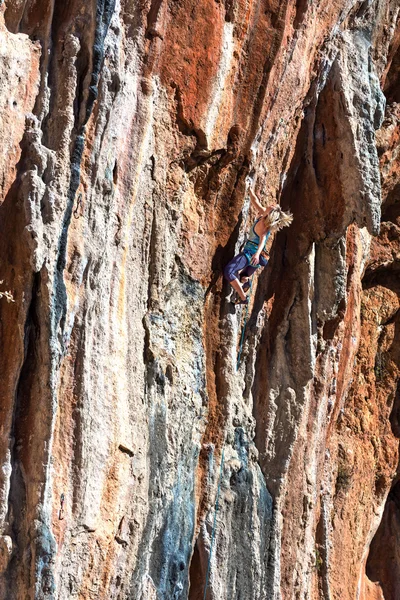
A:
x: 254, y: 255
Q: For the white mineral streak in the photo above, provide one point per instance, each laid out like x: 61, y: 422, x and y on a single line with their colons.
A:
x: 364, y: 109
x: 5, y: 471
x: 311, y: 304
x: 221, y: 96
x: 365, y: 237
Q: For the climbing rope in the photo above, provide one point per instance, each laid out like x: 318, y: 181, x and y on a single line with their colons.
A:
x: 214, y: 523
x: 244, y: 327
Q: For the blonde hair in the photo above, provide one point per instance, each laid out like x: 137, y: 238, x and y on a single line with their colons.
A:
x: 278, y: 219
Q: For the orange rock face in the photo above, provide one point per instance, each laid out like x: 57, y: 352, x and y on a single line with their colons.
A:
x: 138, y: 459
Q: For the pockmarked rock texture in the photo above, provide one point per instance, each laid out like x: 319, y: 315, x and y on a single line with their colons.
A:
x: 137, y: 461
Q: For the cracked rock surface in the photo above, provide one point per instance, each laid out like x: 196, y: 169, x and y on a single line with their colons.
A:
x: 137, y: 461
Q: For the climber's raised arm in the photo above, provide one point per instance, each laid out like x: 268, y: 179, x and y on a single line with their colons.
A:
x: 261, y: 210
x: 256, y: 202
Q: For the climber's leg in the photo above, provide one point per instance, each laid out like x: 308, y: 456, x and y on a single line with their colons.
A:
x: 245, y: 277
x: 246, y: 283
x: 231, y: 271
x: 248, y: 272
x: 237, y: 286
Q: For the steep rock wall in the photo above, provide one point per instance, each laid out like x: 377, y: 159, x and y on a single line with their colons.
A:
x: 129, y: 129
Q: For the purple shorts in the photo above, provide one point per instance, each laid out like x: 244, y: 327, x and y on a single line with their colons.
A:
x: 241, y: 262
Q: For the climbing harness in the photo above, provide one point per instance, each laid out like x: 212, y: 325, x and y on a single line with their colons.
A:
x: 244, y: 327
x: 214, y: 523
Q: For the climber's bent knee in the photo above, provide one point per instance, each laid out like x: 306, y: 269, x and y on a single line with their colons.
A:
x: 229, y: 273
x: 233, y: 267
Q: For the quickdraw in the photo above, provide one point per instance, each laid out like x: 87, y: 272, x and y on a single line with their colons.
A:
x: 61, y: 511
x: 78, y: 207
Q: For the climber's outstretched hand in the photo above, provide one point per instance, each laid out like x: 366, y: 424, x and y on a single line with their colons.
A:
x: 249, y: 183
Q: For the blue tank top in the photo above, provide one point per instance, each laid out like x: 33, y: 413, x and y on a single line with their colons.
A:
x: 251, y: 246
